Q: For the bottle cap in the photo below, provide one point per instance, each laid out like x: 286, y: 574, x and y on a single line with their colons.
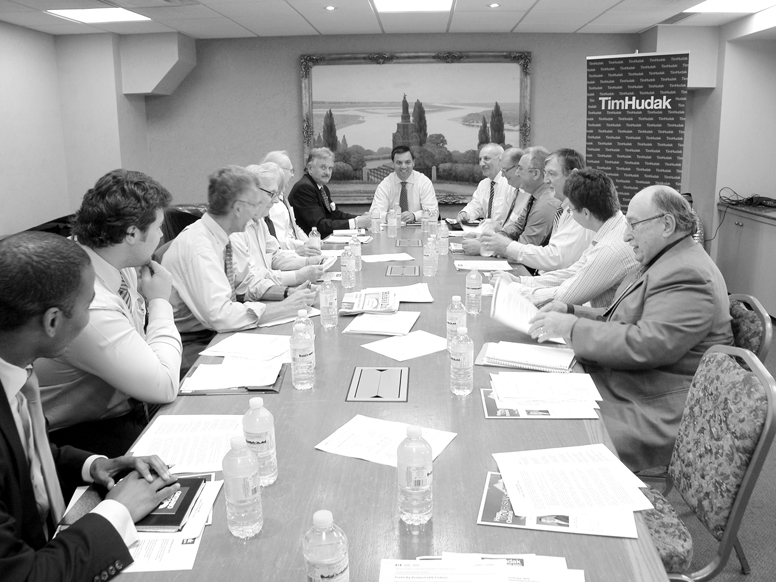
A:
x: 414, y: 431
x: 238, y: 442
x: 302, y: 313
x: 462, y: 330
x: 257, y: 402
x: 323, y: 518
x: 456, y: 297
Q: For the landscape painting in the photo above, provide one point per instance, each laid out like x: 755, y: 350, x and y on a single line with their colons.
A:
x: 444, y: 111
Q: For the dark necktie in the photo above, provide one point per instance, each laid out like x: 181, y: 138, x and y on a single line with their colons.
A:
x: 124, y: 292
x: 326, y: 200
x: 490, y: 200
x: 229, y: 266
x: 403, y: 197
x: 270, y: 226
x: 630, y: 285
x: 517, y: 230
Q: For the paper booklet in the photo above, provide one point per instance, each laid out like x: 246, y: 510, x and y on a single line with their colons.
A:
x: 526, y: 356
x: 511, y: 308
x: 376, y: 301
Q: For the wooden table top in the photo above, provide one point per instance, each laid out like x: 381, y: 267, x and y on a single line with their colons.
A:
x: 362, y: 495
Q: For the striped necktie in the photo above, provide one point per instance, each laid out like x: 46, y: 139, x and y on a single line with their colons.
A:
x: 490, y: 199
x: 403, y: 197
x: 229, y: 266
x: 516, y: 231
x: 124, y: 292
x: 558, y: 216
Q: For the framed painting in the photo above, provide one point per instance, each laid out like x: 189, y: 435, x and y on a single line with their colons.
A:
x: 442, y: 105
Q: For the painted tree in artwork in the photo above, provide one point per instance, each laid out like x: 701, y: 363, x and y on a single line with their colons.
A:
x: 318, y: 142
x: 484, y: 136
x: 419, y: 120
x: 344, y: 144
x: 497, y: 126
x: 329, y: 131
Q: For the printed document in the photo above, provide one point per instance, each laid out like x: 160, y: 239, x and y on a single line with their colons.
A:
x: 369, y: 301
x: 192, y: 443
x: 417, y: 293
x: 311, y: 312
x: 538, y: 409
x: 376, y: 440
x: 250, y: 345
x: 413, y: 345
x: 387, y: 257
x: 492, y: 265
x: 233, y: 372
x: 544, y: 385
x: 399, y: 323
x: 512, y: 309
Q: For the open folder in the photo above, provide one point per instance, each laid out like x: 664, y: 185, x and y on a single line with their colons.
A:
x: 526, y: 356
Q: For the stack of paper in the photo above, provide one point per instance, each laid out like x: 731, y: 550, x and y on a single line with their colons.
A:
x: 511, y: 308
x: 526, y: 357
x: 585, y: 490
x: 492, y: 265
x: 417, y: 293
x: 399, y: 323
x: 348, y: 232
x: 385, y: 258
x: 344, y: 239
x: 370, y: 301
x: 539, y: 395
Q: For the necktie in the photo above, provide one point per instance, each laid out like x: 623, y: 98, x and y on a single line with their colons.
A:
x: 630, y: 285
x: 556, y: 222
x: 124, y: 292
x: 326, y: 201
x: 291, y: 224
x: 519, y: 227
x: 403, y: 197
x: 43, y: 473
x: 490, y: 200
x: 270, y: 226
x: 229, y: 266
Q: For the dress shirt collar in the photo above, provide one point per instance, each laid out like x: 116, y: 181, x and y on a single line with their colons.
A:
x: 13, y: 378
x: 566, y: 205
x: 499, y: 179
x: 618, y: 220
x: 107, y: 273
x: 410, y: 179
x: 219, y: 233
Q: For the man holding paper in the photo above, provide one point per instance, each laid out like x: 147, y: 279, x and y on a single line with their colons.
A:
x: 643, y: 351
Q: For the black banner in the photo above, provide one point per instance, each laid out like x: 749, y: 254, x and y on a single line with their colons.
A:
x: 635, y: 119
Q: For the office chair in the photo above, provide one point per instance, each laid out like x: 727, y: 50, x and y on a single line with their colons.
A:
x: 724, y: 436
x: 752, y: 329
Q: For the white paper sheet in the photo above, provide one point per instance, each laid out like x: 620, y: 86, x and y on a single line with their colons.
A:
x: 442, y: 571
x: 192, y: 443
x: 417, y: 293
x: 468, y: 265
x: 376, y: 440
x: 569, y: 479
x: 384, y: 258
x: 250, y: 345
x: 311, y: 312
x: 399, y: 323
x: 344, y: 239
x: 544, y: 385
x: 413, y: 345
x: 332, y: 252
x: 233, y: 372
x: 524, y: 567
x: 539, y: 409
x: 348, y: 231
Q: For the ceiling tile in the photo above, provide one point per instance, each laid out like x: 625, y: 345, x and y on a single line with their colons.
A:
x: 210, y: 28
x: 710, y: 19
x: 274, y: 18
x: 67, y: 28
x: 7, y: 6
x: 485, y: 21
x: 177, y: 12
x: 610, y: 29
x: 61, y: 4
x: 30, y: 18
x: 133, y: 27
x: 504, y: 5
x: 350, y: 17
x: 396, y: 22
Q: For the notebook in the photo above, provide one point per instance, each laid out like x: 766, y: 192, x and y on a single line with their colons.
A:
x: 526, y: 357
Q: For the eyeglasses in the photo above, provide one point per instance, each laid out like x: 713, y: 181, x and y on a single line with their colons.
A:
x: 507, y: 170
x: 275, y: 195
x: 551, y: 174
x: 290, y: 170
x: 521, y: 169
x: 632, y: 225
x: 254, y: 204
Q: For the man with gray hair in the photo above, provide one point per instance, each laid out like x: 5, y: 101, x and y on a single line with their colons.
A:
x: 312, y: 201
x: 282, y: 221
x: 643, y: 350
x: 494, y: 196
x: 279, y: 268
x: 215, y: 286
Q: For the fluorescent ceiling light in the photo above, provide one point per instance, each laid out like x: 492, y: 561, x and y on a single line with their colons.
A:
x: 413, y: 5
x: 95, y: 15
x: 732, y: 6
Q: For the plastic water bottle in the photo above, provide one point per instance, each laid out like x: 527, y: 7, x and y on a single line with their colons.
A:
x: 487, y: 226
x: 375, y: 221
x: 242, y: 490
x: 429, y: 254
x: 355, y: 248
x: 301, y: 317
x: 325, y: 550
x: 424, y: 222
x: 432, y: 240
x: 456, y: 317
x: 461, y: 364
x: 473, y: 292
x: 314, y: 238
x: 393, y: 223
x: 329, y: 307
x: 433, y: 226
x: 443, y: 236
x: 348, y: 268
x: 302, y: 358
x: 415, y: 471
x: 259, y: 431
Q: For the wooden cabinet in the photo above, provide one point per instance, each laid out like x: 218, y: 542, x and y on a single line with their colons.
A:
x: 746, y: 255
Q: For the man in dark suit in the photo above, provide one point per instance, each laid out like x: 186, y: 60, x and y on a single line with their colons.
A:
x: 312, y: 201
x: 643, y: 351
x: 45, y: 292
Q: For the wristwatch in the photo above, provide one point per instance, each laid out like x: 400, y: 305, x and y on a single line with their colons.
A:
x: 285, y: 293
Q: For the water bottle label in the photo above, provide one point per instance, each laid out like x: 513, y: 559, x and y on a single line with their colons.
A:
x: 415, y: 477
x: 303, y: 356
x: 261, y: 442
x: 336, y: 572
x: 242, y: 489
x: 461, y: 359
x: 328, y: 300
x: 473, y: 288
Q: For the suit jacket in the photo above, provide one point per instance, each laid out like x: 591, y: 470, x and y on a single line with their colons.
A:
x: 88, y: 549
x: 644, y: 350
x: 310, y: 208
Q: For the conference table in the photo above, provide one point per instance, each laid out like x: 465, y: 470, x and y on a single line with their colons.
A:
x: 363, y: 495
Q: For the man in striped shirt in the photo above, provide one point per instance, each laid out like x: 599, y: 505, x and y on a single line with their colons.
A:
x: 595, y: 276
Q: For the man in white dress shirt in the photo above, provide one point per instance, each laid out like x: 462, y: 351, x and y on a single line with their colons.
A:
x: 494, y: 196
x: 568, y: 239
x: 408, y: 188
x: 281, y: 215
x: 93, y: 393
x: 279, y: 267
x: 45, y: 295
x: 215, y: 286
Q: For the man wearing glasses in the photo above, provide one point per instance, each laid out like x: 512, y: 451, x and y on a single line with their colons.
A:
x: 644, y: 349
x: 216, y: 287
